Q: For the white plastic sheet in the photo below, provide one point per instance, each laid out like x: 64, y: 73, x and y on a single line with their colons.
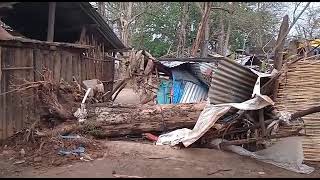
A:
x: 206, y: 120
x: 287, y: 153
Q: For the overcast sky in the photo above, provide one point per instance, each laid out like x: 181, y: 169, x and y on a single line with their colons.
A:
x: 290, y: 9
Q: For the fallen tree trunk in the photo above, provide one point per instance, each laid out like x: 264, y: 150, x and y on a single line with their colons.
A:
x: 121, y: 121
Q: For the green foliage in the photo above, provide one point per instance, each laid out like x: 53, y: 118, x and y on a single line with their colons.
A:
x: 156, y: 30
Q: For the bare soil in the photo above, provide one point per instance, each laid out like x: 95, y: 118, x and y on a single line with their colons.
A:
x: 147, y: 160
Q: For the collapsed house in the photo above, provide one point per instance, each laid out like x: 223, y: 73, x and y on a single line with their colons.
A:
x: 192, y: 80
x: 184, y: 82
x: 69, y: 39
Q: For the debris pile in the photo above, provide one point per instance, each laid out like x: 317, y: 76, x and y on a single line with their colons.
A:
x: 238, y: 116
x: 43, y: 151
x: 140, y: 76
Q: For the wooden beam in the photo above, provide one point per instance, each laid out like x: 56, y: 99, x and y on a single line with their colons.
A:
x: 83, y: 34
x: 76, y: 28
x: 119, y: 50
x: 280, y: 42
x: 193, y: 59
x: 262, y: 123
x: 51, y: 19
x: 0, y: 66
x: 7, y: 4
x: 305, y: 112
x: 16, y: 68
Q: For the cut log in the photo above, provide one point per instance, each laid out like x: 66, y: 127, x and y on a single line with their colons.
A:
x: 121, y: 121
x: 305, y: 112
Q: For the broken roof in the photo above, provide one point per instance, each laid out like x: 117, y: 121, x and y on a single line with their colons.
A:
x: 31, y: 20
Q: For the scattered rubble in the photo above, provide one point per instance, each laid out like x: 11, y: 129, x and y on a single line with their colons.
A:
x: 247, y: 128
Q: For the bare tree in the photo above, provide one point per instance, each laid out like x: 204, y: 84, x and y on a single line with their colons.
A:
x: 102, y: 9
x: 205, y: 11
x: 182, y: 31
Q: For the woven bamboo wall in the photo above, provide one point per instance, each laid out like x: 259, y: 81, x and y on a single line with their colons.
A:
x: 300, y: 89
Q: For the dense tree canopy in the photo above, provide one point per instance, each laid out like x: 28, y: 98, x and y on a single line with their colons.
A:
x: 163, y: 27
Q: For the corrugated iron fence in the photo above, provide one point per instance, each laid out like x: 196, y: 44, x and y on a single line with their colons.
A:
x: 25, y: 64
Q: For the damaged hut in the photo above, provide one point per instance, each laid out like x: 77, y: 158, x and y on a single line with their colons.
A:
x: 191, y: 80
x: 68, y: 39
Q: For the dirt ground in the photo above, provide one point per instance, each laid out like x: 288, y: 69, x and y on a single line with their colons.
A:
x: 148, y: 160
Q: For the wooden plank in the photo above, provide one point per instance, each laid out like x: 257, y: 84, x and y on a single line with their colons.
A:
x: 96, y: 55
x: 83, y: 67
x: 89, y: 69
x: 262, y: 123
x: 63, y: 70
x: 19, y: 60
x: 17, y: 68
x: 211, y: 59
x: 100, y: 63
x: 35, y: 111
x: 52, y: 61
x: 103, y: 57
x: 106, y: 76
x: 9, y: 110
x: 69, y: 68
x: 2, y: 106
x: 0, y: 67
x: 74, y: 66
x: 98, y: 59
x: 37, y: 64
x: 29, y: 111
x: 45, y: 59
x: 82, y: 35
x: 79, y: 68
x: 51, y: 19
x: 57, y: 66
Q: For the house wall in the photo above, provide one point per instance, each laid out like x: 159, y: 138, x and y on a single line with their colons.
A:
x: 19, y: 64
x: 299, y: 89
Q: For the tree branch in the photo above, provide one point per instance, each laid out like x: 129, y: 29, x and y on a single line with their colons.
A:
x: 224, y: 9
x: 136, y: 16
x: 305, y: 112
x: 292, y: 24
x: 200, y: 7
x: 295, y: 9
x: 113, y: 21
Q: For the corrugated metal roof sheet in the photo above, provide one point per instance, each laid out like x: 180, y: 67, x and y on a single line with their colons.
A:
x: 193, y: 93
x: 178, y: 74
x: 201, y: 70
x: 70, y: 17
x: 103, y: 27
x: 231, y: 83
x: 172, y: 64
